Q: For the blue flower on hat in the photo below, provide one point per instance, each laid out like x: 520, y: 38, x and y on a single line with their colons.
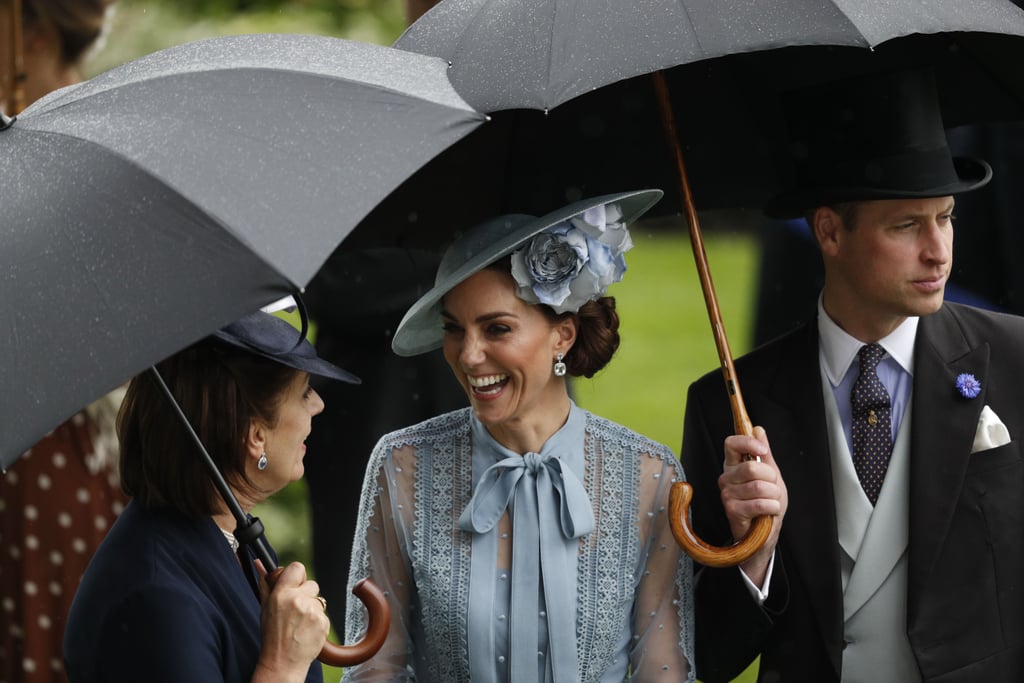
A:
x: 968, y: 385
x: 574, y: 261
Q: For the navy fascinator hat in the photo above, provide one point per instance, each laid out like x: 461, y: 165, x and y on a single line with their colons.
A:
x: 274, y: 338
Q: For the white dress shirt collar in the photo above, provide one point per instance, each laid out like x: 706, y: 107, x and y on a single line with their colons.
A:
x: 839, y: 348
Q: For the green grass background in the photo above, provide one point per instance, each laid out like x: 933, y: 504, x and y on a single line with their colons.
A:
x: 666, y: 333
x: 666, y: 344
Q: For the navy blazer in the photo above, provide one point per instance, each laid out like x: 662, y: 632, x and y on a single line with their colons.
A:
x: 965, y: 601
x: 165, y: 600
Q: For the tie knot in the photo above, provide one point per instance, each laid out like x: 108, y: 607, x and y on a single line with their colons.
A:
x: 546, y: 476
x: 534, y: 461
x: 870, y: 355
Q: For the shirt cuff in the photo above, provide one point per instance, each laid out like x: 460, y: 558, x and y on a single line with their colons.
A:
x: 760, y: 594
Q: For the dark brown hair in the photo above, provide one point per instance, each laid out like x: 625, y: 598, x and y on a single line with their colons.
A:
x: 221, y: 389
x: 597, y: 336
x: 78, y: 23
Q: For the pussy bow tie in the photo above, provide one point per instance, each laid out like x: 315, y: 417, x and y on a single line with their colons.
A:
x: 549, y: 507
x: 547, y: 475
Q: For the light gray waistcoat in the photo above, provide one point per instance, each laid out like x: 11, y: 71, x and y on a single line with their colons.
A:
x: 873, y: 556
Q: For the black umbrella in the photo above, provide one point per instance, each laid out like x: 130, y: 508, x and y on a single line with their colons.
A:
x: 542, y: 53
x: 155, y: 203
x: 720, y: 71
x: 569, y: 82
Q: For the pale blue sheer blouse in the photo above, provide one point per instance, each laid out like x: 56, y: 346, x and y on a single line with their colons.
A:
x: 551, y: 567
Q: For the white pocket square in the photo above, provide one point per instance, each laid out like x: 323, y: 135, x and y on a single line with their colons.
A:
x: 991, y: 431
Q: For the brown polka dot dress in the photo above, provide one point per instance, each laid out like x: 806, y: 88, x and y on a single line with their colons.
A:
x: 56, y: 504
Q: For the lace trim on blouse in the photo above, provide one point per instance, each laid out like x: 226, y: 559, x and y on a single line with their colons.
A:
x: 612, y: 561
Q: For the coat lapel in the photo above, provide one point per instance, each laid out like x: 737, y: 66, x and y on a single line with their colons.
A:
x: 944, y: 423
x: 793, y: 407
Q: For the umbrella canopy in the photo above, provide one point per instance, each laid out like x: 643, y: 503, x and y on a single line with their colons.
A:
x: 539, y: 54
x: 575, y: 113
x: 155, y: 203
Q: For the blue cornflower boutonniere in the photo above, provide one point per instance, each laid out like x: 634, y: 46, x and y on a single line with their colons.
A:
x: 968, y: 385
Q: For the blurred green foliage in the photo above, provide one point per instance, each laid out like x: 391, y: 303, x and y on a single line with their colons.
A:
x: 341, y: 9
x: 139, y: 27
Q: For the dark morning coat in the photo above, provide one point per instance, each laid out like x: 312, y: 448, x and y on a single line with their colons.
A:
x: 965, y: 606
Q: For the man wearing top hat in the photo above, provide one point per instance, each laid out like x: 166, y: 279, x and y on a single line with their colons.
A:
x: 894, y: 472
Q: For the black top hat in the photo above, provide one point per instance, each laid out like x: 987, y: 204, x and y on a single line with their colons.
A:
x: 872, y: 137
x: 276, y: 339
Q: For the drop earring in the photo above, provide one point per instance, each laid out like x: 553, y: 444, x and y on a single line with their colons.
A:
x: 559, y: 365
x: 261, y: 464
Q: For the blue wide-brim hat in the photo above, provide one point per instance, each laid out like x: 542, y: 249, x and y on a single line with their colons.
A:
x: 274, y: 338
x: 875, y: 136
x: 420, y: 330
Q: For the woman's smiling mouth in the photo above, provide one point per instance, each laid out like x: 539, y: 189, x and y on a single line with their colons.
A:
x: 486, y: 385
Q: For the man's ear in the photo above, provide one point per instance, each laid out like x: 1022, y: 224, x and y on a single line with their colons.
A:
x: 827, y: 227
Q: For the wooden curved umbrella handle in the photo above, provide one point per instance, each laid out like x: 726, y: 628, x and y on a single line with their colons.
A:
x: 705, y: 553
x: 681, y: 493
x: 379, y: 622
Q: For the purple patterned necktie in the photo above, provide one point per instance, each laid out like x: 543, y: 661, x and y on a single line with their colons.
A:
x: 872, y: 430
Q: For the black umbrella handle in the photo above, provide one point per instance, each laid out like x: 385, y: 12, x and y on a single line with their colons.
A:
x: 250, y: 532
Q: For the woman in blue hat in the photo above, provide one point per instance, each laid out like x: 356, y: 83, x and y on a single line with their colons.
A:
x: 170, y: 595
x: 524, y: 538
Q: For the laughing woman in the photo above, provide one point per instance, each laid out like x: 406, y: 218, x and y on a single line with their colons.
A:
x: 523, y: 538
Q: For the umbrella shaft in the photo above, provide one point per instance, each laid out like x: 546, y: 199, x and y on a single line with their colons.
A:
x: 741, y: 420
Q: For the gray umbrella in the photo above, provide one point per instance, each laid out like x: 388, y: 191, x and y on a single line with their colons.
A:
x: 155, y: 203
x: 735, y: 62
x: 719, y: 65
x: 538, y: 54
